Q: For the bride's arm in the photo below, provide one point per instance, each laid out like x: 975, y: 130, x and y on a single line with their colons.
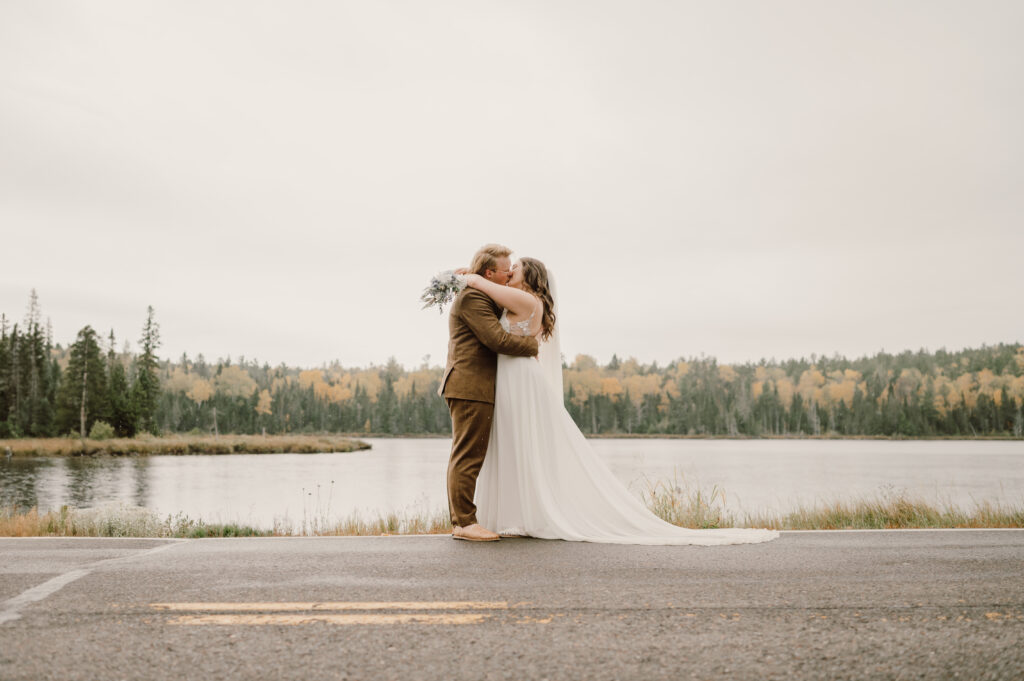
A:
x: 520, y: 303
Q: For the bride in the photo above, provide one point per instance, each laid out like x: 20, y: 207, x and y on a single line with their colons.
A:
x: 540, y: 477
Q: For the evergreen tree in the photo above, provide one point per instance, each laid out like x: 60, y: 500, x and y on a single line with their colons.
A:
x: 37, y: 413
x: 122, y: 418
x: 82, y: 398
x: 5, y: 379
x: 146, y: 390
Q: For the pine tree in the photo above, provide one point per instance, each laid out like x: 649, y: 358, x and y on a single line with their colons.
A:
x: 122, y: 418
x: 37, y: 412
x: 5, y: 379
x: 82, y: 398
x: 146, y: 391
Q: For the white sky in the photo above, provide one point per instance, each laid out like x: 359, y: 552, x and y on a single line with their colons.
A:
x: 280, y: 179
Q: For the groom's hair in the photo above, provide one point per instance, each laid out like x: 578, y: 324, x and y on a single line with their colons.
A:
x: 487, y: 258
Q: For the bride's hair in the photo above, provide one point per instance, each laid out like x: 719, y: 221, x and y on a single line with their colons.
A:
x: 535, y: 276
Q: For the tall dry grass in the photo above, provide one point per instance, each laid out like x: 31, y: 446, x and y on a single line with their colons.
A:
x: 673, y: 501
x: 183, y: 444
x: 689, y: 506
x: 112, y: 520
x: 356, y: 525
x: 892, y: 513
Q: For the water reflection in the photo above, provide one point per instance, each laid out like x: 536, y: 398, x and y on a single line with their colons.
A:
x: 18, y: 481
x: 140, y: 473
x: 81, y: 474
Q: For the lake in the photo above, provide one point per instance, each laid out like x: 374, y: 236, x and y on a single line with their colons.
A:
x: 409, y: 475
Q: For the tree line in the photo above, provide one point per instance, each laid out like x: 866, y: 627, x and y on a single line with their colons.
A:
x: 46, y: 390
x: 91, y: 388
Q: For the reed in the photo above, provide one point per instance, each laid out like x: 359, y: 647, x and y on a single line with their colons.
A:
x: 183, y: 444
x: 678, y: 503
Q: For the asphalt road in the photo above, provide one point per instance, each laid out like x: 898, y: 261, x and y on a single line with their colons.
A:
x: 839, y: 605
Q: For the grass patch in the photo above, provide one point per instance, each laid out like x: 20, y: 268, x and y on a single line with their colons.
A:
x: 687, y: 506
x: 892, y: 513
x: 183, y: 444
x: 677, y: 503
x: 113, y: 521
x: 384, y: 524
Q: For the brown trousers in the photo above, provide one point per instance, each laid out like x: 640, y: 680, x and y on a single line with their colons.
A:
x: 471, y: 431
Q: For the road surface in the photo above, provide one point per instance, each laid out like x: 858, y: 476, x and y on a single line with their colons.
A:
x: 810, y: 605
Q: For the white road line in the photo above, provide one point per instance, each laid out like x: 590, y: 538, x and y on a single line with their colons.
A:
x: 11, y: 606
x: 10, y: 610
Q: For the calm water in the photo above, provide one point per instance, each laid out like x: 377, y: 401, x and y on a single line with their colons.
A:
x: 408, y: 475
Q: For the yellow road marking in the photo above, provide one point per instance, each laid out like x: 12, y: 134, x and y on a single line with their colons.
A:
x: 332, y: 605
x: 333, y: 618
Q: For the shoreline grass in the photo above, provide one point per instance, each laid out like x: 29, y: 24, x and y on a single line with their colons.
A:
x: 146, y: 445
x: 686, y: 506
x: 679, y: 505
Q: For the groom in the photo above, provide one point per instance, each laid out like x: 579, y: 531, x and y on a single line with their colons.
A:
x: 475, y: 338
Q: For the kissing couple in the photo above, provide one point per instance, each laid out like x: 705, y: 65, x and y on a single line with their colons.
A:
x: 519, y: 465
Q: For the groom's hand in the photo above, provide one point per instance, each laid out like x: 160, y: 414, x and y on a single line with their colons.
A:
x: 478, y: 314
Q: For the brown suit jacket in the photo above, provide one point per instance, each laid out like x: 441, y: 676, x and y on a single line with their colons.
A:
x: 475, y: 338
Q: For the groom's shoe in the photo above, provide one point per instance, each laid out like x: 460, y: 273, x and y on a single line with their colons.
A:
x: 474, y: 532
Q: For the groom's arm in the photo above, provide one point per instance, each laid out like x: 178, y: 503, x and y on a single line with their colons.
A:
x: 477, y: 312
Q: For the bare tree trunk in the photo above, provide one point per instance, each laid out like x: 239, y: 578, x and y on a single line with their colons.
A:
x: 216, y: 433
x: 85, y: 382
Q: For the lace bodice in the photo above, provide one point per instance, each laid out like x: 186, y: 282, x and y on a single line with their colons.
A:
x: 521, y: 328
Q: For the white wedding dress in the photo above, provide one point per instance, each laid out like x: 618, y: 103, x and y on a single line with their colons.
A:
x: 540, y: 477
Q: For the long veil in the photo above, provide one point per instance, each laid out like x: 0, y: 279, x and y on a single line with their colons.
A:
x: 550, y: 354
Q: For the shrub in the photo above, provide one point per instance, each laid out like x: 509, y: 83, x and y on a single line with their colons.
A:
x: 101, y: 430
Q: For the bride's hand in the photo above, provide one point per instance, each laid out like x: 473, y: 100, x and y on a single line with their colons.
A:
x: 462, y: 270
x: 472, y: 279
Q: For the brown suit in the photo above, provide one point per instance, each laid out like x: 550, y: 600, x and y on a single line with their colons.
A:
x: 476, y: 337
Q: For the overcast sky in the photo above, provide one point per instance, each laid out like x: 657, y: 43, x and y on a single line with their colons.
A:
x: 744, y: 179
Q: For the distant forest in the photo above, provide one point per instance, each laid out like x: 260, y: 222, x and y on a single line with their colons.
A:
x: 92, y: 388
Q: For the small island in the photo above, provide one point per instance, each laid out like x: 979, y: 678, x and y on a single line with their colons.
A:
x: 184, y: 444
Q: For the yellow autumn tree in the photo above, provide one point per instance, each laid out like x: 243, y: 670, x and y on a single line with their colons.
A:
x: 264, y: 403
x: 726, y: 373
x: 786, y: 390
x: 908, y: 383
x: 1016, y: 388
x: 310, y: 378
x: 810, y: 385
x: 584, y: 362
x: 611, y: 388
x: 200, y: 391
x: 639, y: 387
x: 370, y: 381
x: 234, y: 381
x: 179, y: 381
x: 582, y: 383
x: 967, y: 390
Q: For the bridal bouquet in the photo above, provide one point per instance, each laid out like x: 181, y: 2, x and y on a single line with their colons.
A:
x: 444, y: 286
